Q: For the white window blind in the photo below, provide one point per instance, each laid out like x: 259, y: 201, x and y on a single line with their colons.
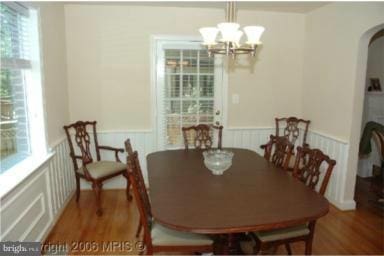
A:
x: 15, y: 71
x: 187, y: 91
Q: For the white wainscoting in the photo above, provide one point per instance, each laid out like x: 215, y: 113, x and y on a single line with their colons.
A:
x: 251, y: 138
x: 337, y: 150
x: 31, y: 209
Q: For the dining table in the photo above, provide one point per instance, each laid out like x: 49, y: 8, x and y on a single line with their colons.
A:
x: 252, y: 195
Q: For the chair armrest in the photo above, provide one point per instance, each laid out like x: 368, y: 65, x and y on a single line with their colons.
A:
x: 116, y: 150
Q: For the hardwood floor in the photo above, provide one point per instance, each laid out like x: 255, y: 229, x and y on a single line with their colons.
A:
x: 351, y: 232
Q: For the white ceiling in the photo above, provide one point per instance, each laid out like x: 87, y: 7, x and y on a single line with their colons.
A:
x: 297, y: 7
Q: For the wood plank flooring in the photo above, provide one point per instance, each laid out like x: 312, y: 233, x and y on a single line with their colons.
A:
x: 351, y: 232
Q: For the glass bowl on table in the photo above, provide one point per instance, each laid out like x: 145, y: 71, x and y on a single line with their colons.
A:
x: 217, y: 160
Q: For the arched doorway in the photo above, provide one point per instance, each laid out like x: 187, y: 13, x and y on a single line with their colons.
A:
x: 359, y: 93
x: 369, y: 183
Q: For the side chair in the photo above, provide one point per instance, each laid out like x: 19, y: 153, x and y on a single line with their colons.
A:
x: 128, y: 148
x: 201, y: 136
x: 310, y: 174
x: 278, y: 151
x: 158, y: 238
x: 292, y: 127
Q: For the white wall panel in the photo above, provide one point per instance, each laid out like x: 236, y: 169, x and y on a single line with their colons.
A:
x: 30, y: 210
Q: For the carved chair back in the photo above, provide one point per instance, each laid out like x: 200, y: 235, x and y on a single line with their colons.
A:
x: 82, y: 139
x: 278, y: 151
x: 292, y: 126
x: 141, y: 196
x: 309, y: 173
x: 128, y: 147
x: 202, y: 138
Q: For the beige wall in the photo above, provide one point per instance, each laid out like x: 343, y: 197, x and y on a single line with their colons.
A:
x: 334, y: 74
x: 54, y: 68
x: 272, y: 86
x: 108, y: 53
x: 333, y: 33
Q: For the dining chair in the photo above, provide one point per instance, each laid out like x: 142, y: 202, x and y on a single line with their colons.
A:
x: 201, y: 136
x: 128, y: 148
x: 292, y: 127
x: 278, y: 151
x: 158, y: 238
x: 310, y: 174
x: 90, y: 170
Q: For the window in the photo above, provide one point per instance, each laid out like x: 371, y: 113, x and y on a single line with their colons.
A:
x: 21, y: 124
x: 189, y: 86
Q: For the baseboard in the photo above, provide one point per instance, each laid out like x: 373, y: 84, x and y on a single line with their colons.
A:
x: 345, y: 205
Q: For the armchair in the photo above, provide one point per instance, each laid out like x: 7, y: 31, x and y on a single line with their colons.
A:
x: 94, y: 171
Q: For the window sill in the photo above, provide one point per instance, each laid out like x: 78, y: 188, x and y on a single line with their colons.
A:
x: 11, y: 178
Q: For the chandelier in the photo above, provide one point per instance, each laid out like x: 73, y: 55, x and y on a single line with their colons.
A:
x: 229, y: 44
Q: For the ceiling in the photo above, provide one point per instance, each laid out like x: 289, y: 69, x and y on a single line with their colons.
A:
x: 296, y: 7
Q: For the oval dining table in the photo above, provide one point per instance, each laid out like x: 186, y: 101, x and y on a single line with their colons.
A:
x: 252, y: 195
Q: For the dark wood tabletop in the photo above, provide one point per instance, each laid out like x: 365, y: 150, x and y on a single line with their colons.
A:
x: 252, y: 195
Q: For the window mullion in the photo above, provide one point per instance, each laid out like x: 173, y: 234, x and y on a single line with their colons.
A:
x: 181, y: 92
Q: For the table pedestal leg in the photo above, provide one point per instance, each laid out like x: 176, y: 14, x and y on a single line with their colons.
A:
x: 232, y: 244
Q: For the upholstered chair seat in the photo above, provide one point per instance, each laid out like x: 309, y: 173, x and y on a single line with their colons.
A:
x: 283, y: 233
x: 103, y: 168
x: 165, y: 236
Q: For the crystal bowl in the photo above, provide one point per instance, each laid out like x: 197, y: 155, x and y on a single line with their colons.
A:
x: 217, y: 160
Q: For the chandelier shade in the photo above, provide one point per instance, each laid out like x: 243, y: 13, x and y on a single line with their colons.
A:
x: 231, y: 35
x: 228, y: 31
x: 209, y: 35
x: 253, y: 34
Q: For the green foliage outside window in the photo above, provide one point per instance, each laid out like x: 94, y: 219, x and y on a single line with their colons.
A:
x: 5, y: 50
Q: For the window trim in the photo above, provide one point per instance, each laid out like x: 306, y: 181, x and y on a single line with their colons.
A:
x: 40, y: 152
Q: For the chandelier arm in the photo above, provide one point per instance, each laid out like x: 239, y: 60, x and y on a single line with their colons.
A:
x: 234, y: 51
